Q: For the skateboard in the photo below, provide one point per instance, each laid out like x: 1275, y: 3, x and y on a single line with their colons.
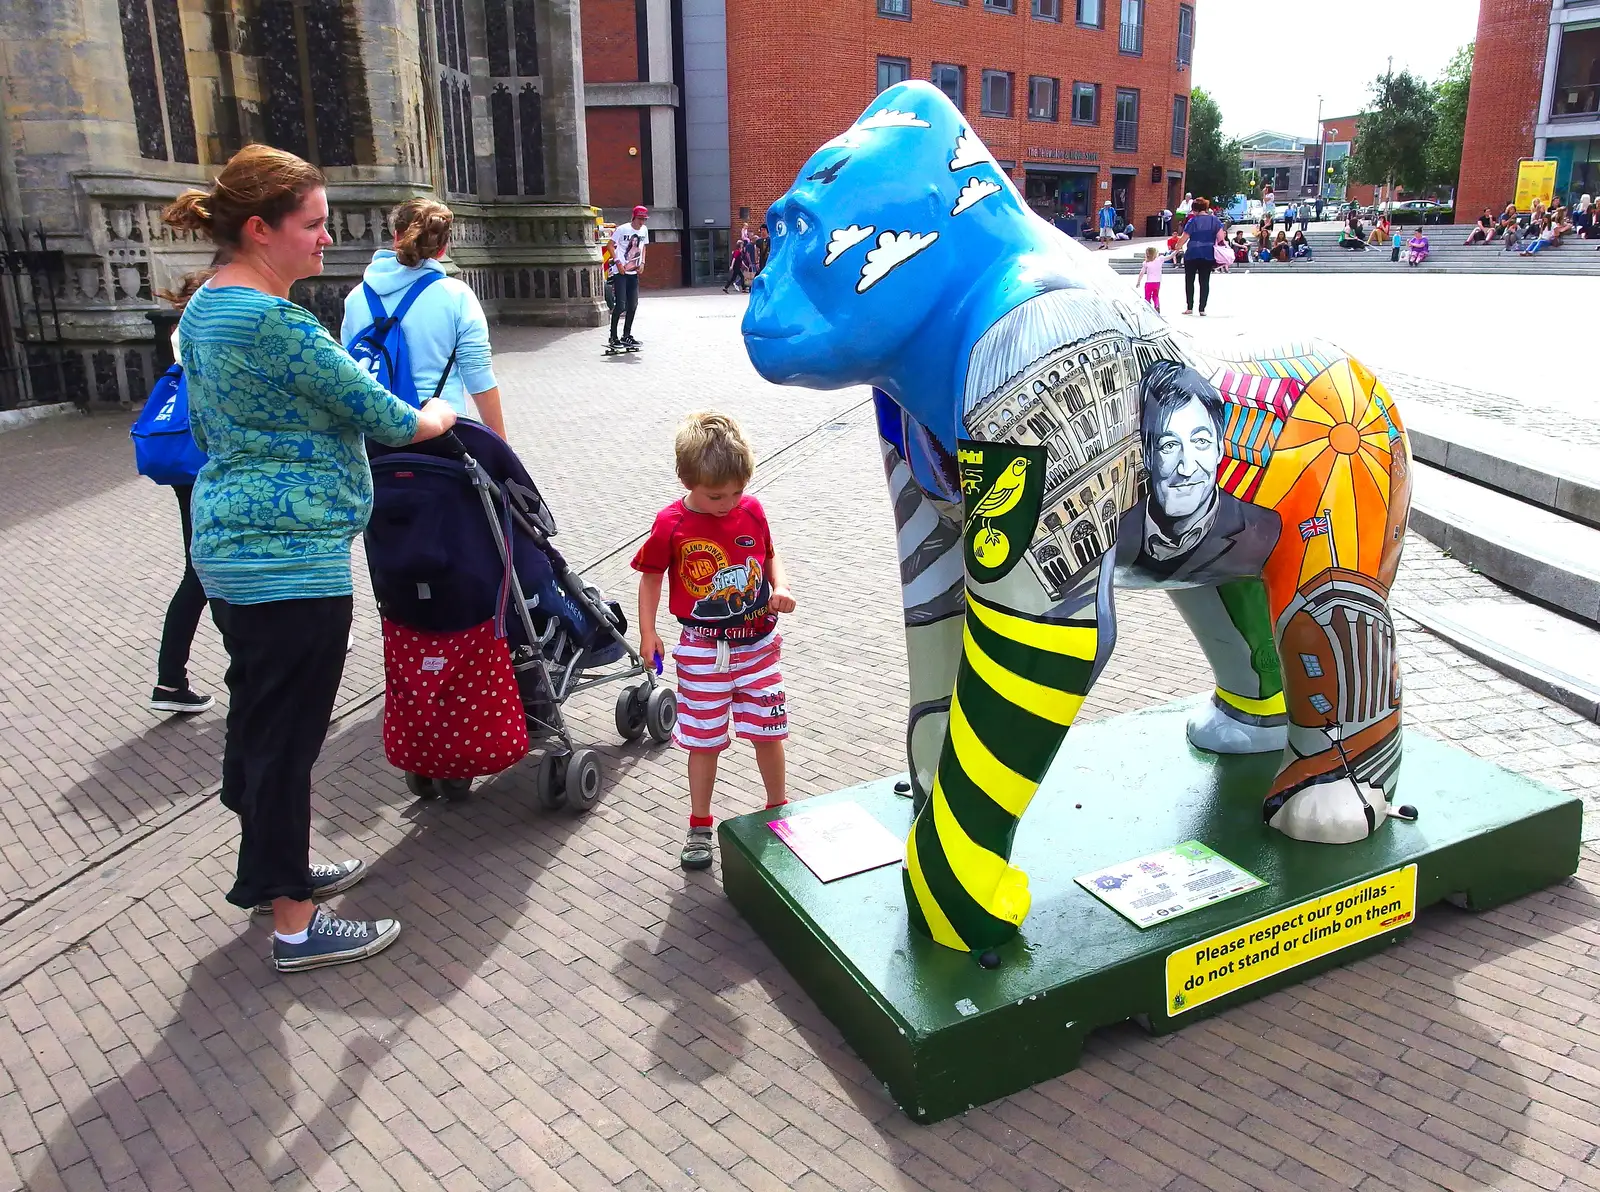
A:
x: 619, y: 349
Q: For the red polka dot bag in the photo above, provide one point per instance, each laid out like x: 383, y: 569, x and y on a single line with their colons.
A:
x: 452, y: 709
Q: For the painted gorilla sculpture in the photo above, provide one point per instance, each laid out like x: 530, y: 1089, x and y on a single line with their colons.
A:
x: 1045, y: 434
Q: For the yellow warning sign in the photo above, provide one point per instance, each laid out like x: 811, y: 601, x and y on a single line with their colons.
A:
x: 1266, y: 946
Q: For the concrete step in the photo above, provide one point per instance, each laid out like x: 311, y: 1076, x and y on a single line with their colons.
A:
x: 1529, y: 549
x: 1554, y: 655
x: 1554, y: 476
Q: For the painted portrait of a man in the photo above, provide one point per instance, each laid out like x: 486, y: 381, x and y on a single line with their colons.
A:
x: 1187, y: 530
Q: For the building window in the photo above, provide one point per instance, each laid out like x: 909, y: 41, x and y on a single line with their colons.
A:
x: 952, y: 80
x: 1086, y: 103
x: 1185, y: 34
x: 1000, y: 5
x: 1047, y: 10
x: 892, y: 71
x: 1044, y: 98
x: 1312, y: 664
x: 1089, y: 13
x: 455, y: 97
x: 996, y: 93
x: 1180, y: 125
x: 1577, y: 91
x: 158, y: 77
x: 305, y: 102
x: 900, y: 10
x: 515, y: 110
x: 1126, y: 133
x: 1132, y: 39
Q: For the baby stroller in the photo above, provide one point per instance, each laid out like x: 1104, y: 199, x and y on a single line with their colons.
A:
x: 459, y: 537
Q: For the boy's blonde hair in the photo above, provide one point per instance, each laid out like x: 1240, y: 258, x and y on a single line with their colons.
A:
x: 711, y: 450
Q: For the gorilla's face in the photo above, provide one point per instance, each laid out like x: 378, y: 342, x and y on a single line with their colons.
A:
x: 878, y: 230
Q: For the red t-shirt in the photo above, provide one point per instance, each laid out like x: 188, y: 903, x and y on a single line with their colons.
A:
x: 716, y: 568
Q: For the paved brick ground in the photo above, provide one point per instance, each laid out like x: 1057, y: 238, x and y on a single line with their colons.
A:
x: 566, y: 1008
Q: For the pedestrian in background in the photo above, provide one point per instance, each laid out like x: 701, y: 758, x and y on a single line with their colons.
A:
x: 1201, y: 235
x: 628, y: 251
x: 172, y: 692
x: 447, y: 336
x: 1150, y: 276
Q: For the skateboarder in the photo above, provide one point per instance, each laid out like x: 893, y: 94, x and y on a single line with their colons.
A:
x: 627, y: 257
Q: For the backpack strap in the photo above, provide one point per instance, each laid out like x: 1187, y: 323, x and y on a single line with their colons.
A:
x: 422, y: 283
x: 439, y: 388
x: 374, y: 303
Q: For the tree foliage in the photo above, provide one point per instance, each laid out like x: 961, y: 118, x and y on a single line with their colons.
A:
x: 1213, y: 159
x: 1450, y: 106
x: 1395, y: 132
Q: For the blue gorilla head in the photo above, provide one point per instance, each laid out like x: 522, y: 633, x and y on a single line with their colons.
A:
x: 886, y: 230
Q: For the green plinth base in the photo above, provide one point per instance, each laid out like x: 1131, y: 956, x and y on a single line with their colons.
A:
x: 945, y: 1034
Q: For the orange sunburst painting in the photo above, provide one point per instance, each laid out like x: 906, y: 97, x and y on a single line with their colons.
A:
x: 1328, y: 477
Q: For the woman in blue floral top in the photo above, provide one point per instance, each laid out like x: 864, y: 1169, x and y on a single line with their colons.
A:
x: 281, y: 411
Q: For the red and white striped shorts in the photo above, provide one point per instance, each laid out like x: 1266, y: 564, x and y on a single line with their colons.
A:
x: 749, y: 690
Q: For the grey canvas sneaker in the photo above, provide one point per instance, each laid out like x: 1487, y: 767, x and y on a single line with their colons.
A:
x: 331, y: 940
x: 326, y: 881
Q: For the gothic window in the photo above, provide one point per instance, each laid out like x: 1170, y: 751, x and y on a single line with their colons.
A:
x: 529, y: 112
x: 305, y: 56
x: 515, y: 107
x: 455, y: 97
x: 163, y: 117
x: 505, y: 139
x: 1084, y: 545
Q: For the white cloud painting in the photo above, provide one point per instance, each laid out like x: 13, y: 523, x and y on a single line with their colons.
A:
x: 891, y: 118
x: 893, y: 250
x: 974, y: 192
x: 844, y: 239
x: 970, y: 151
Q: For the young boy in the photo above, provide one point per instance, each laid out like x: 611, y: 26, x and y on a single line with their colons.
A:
x: 727, y: 587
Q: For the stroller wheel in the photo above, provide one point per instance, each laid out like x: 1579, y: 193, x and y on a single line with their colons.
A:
x: 631, y: 712
x: 661, y: 713
x: 549, y: 781
x: 421, y: 787
x: 582, y: 781
x: 455, y: 790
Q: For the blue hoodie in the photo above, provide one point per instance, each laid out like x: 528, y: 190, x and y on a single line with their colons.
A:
x: 446, y: 317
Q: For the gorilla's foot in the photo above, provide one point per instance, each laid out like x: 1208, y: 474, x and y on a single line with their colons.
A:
x: 1219, y: 728
x: 1335, y: 811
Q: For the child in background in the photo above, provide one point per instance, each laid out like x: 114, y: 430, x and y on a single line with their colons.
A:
x: 727, y: 587
x: 1150, y: 275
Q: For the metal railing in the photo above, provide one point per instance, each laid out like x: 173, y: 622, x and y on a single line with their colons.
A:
x: 1579, y: 100
x: 1131, y: 39
x: 32, y: 370
x: 1126, y: 135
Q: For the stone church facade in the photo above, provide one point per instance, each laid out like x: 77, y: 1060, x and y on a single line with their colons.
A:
x: 110, y: 107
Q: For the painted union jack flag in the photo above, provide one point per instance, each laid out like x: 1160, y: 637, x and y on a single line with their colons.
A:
x: 1313, y: 526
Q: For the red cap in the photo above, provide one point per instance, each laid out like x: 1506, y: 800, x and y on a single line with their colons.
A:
x: 638, y: 211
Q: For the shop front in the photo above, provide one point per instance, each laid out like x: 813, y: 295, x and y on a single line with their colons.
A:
x: 1577, y: 168
x: 1059, y: 185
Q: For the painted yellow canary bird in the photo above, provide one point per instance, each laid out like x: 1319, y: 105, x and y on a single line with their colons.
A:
x: 1004, y: 494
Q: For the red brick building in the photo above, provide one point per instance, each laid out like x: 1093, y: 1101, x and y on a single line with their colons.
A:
x: 1080, y: 100
x: 1535, y: 94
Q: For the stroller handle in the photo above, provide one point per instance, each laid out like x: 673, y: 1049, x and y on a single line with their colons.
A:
x: 453, y: 446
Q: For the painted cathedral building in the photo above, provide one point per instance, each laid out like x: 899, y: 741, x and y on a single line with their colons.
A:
x: 1082, y: 404
x: 116, y: 105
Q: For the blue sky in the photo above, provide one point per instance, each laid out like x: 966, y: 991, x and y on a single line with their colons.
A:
x: 1266, y: 63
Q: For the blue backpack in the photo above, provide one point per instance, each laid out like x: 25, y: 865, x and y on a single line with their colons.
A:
x: 381, y: 347
x: 163, y: 447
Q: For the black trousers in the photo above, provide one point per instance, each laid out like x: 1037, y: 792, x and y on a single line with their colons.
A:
x: 183, y: 612
x: 285, y: 660
x: 627, y: 288
x: 1191, y: 270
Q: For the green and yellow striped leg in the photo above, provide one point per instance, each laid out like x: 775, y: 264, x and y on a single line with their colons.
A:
x: 1020, y: 684
x: 1245, y: 713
